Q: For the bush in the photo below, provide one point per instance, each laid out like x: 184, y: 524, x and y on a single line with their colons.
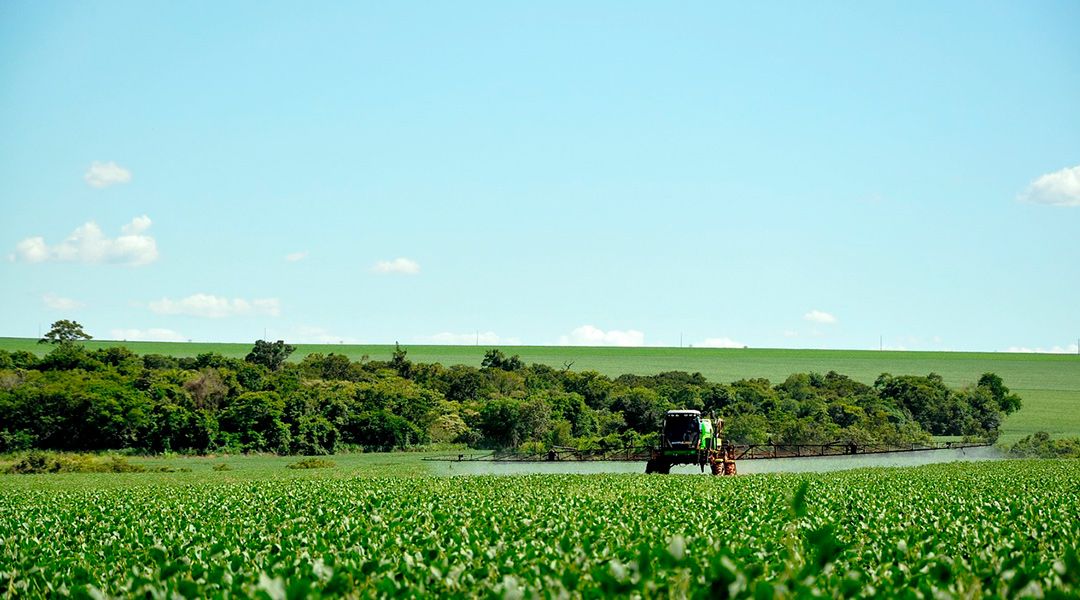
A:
x: 13, y: 441
x: 33, y: 463
x: 1039, y: 445
x: 43, y: 462
x: 312, y: 463
x: 222, y: 467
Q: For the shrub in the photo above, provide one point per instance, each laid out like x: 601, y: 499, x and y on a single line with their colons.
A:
x: 312, y: 463
x: 37, y: 462
x: 1039, y: 445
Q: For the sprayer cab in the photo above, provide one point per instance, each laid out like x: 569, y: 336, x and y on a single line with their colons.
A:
x: 687, y: 438
x: 682, y: 430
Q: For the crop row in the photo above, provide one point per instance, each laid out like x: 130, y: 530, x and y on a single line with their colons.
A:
x: 989, y: 529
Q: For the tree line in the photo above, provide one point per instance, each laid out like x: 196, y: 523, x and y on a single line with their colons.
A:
x: 111, y: 398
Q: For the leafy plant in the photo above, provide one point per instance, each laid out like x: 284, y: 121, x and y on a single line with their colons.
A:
x: 1001, y: 529
x: 311, y: 463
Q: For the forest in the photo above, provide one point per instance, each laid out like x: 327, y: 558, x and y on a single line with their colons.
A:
x: 111, y: 398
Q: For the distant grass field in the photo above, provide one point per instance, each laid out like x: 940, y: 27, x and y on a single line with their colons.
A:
x: 1048, y: 383
x: 199, y: 470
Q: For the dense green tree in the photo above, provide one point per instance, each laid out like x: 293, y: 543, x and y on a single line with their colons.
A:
x: 594, y: 387
x: 495, y: 359
x: 1039, y: 445
x: 333, y: 367
x: 74, y: 399
x: 253, y: 423
x: 65, y: 332
x: 924, y: 398
x: 1007, y: 402
x: 207, y: 388
x: 159, y: 361
x: 746, y: 429
x: 757, y: 393
x: 499, y: 422
x: 534, y: 419
x: 462, y: 383
x: 560, y: 434
x: 448, y: 426
x: 118, y: 356
x: 642, y: 408
x: 66, y: 357
x: 381, y: 430
x: 269, y: 355
x: 846, y: 415
x: 400, y: 363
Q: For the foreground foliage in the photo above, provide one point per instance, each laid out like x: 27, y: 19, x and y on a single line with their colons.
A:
x: 993, y: 529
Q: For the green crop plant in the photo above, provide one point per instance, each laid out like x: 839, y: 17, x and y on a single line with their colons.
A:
x: 1001, y: 529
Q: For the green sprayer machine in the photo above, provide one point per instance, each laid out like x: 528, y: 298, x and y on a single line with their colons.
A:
x: 689, y: 438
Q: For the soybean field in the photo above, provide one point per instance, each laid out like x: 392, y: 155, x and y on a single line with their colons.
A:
x: 1004, y: 529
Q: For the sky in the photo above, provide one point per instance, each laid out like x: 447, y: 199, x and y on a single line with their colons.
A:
x: 902, y: 175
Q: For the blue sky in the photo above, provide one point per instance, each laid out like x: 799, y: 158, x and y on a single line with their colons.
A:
x: 770, y: 175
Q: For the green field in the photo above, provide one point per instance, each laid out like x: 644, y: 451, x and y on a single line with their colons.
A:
x: 199, y: 470
x: 1048, y: 383
x: 1002, y: 529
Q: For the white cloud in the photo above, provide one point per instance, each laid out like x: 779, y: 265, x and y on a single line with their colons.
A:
x: 60, y: 303
x: 720, y: 342
x: 136, y: 226
x: 88, y: 244
x: 32, y: 249
x: 405, y: 266
x: 587, y: 335
x: 1070, y: 349
x: 215, y: 307
x: 819, y: 316
x: 296, y: 256
x: 104, y: 174
x: 791, y: 333
x: 317, y: 335
x: 153, y: 334
x: 483, y: 338
x: 1060, y: 188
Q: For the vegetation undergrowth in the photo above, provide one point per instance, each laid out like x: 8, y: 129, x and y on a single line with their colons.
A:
x: 37, y: 462
x: 1039, y: 445
x: 311, y: 463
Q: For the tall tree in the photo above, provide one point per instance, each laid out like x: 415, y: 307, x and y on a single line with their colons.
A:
x: 495, y: 359
x: 65, y: 332
x: 399, y: 363
x: 270, y: 355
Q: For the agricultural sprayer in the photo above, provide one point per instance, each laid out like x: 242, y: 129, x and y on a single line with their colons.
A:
x: 689, y: 438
